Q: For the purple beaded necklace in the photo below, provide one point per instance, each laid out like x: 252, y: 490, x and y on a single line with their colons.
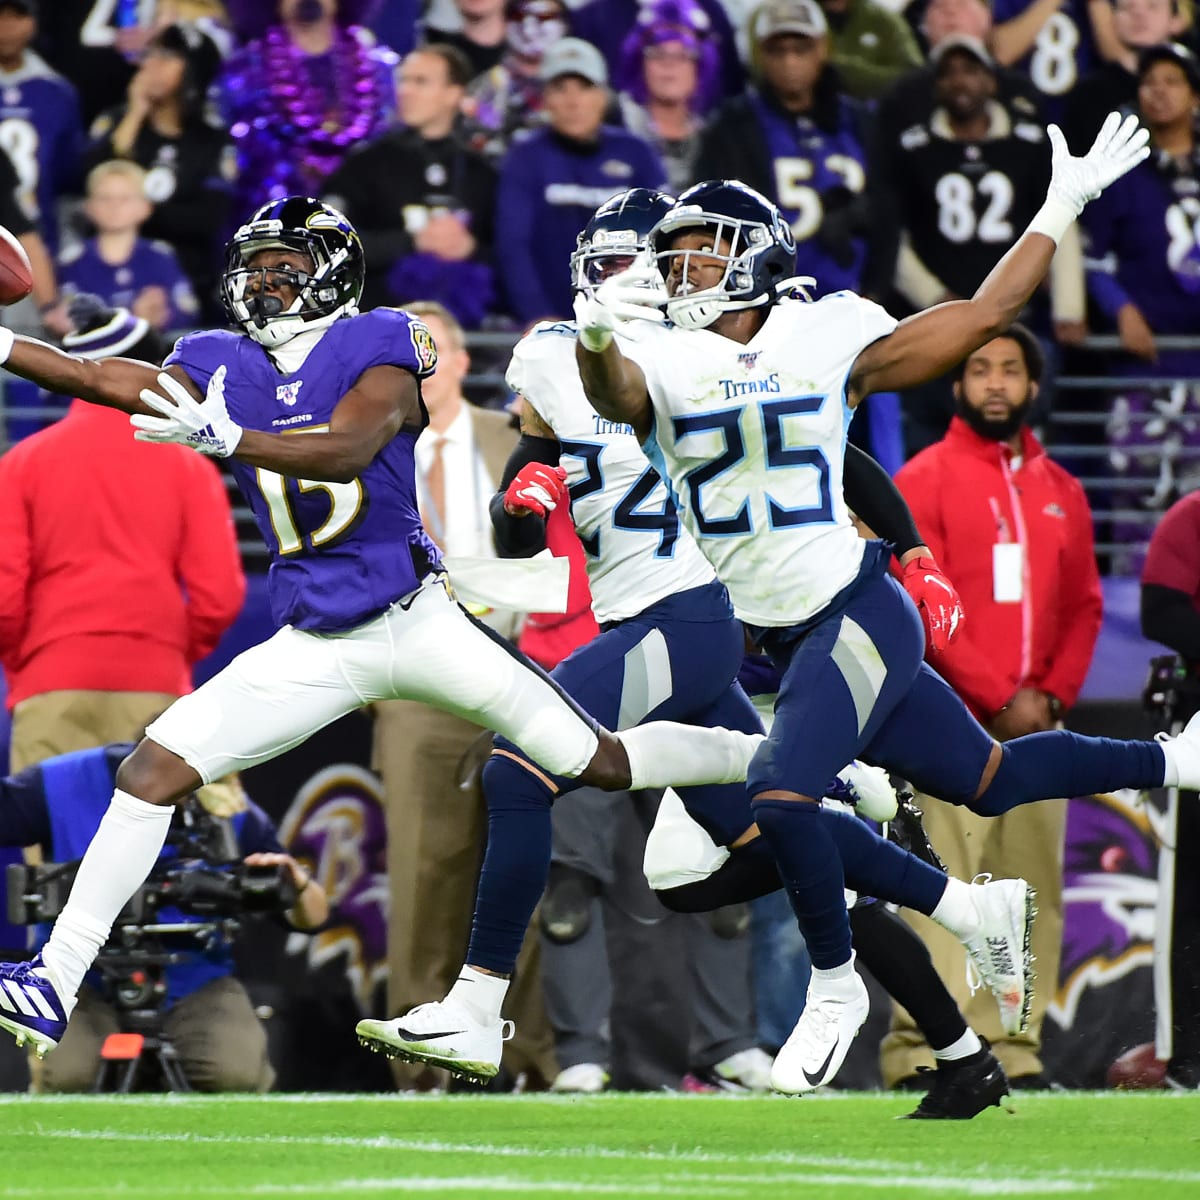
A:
x: 333, y: 117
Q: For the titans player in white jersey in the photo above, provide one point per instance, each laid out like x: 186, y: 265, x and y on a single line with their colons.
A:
x: 748, y: 399
x: 670, y: 647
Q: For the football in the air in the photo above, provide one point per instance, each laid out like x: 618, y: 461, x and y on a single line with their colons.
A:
x: 16, y: 275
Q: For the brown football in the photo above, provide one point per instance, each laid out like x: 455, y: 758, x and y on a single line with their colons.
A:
x: 16, y: 275
x: 1138, y: 1068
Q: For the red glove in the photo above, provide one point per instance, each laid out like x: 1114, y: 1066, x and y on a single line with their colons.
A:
x: 936, y: 600
x: 536, y: 488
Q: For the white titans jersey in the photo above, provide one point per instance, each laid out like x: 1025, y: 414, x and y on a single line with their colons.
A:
x: 637, y: 551
x: 753, y: 437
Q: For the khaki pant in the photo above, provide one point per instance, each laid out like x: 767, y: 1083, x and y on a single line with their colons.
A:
x: 60, y: 722
x: 222, y: 1045
x: 436, y: 836
x: 1026, y: 842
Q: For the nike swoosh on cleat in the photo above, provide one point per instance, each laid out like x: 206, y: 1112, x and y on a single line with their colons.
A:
x: 409, y: 1036
x: 815, y: 1080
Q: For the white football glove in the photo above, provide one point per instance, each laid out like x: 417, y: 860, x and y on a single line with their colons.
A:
x: 1119, y: 146
x: 636, y: 294
x: 205, y: 425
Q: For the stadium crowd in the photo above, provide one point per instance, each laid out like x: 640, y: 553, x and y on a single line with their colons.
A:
x: 469, y: 142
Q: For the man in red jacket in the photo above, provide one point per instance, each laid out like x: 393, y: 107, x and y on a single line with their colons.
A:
x: 120, y: 566
x: 1014, y: 532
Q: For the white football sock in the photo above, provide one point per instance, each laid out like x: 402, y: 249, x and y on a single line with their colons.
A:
x: 955, y: 911
x: 966, y: 1045
x: 116, y: 864
x: 835, y: 981
x: 665, y: 754
x: 479, y: 993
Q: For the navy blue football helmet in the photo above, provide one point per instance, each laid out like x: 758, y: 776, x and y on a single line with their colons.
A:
x: 332, y: 289
x: 615, y: 237
x: 750, y: 236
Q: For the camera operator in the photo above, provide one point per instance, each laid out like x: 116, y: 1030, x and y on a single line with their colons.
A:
x: 206, y: 1013
x: 1171, y: 615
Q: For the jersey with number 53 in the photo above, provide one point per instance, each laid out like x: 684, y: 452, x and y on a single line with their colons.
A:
x: 340, y: 552
x: 637, y: 553
x: 753, y: 437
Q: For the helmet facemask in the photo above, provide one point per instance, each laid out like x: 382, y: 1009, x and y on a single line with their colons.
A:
x: 609, y: 252
x: 697, y: 308
x: 321, y: 296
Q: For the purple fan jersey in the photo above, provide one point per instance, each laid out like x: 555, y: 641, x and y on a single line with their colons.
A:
x: 340, y: 552
x: 152, y: 264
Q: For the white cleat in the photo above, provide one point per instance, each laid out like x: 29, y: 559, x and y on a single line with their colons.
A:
x: 746, y: 1071
x: 818, y: 1046
x: 584, y: 1079
x: 442, y: 1034
x: 998, y: 953
x: 1183, y: 753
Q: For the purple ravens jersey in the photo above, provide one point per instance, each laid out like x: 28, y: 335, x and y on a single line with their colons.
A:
x: 1062, y: 54
x: 1143, y: 244
x: 340, y: 552
x: 42, y: 132
x: 152, y: 264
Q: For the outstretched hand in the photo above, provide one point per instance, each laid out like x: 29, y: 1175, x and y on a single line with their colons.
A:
x: 205, y: 425
x: 1120, y: 145
x: 636, y: 294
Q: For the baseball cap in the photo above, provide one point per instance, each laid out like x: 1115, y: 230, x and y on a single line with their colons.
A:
x: 1173, y: 52
x: 574, y: 56
x: 967, y: 44
x: 803, y: 17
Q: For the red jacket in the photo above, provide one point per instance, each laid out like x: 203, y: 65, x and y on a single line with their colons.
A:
x: 119, y: 564
x: 966, y: 497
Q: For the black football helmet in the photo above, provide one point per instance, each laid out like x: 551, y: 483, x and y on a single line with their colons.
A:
x: 615, y: 237
x: 759, y: 257
x: 331, y: 291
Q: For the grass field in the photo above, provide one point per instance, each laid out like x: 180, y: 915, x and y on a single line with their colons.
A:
x: 1057, y: 1144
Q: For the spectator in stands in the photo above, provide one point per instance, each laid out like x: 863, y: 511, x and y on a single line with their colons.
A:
x: 190, y: 163
x: 508, y: 97
x: 910, y: 99
x: 963, y: 184
x: 39, y: 109
x: 607, y: 23
x: 1171, y: 615
x: 98, y: 531
x: 51, y: 312
x: 483, y: 36
x: 1013, y: 530
x: 668, y: 83
x: 1143, y: 241
x: 422, y: 200
x: 437, y: 826
x: 306, y: 90
x: 118, y: 264
x: 81, y: 40
x: 800, y: 142
x: 208, y: 1016
x: 209, y: 16
x: 1137, y: 25
x: 872, y: 45
x: 552, y: 181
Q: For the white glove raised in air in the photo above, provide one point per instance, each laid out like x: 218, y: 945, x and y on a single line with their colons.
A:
x: 1120, y: 145
x: 636, y: 294
x: 205, y: 425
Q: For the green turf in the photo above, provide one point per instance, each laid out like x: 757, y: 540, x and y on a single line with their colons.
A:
x: 1066, y: 1144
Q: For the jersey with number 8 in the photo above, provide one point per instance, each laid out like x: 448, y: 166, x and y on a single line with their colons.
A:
x: 340, y: 552
x: 753, y: 438
x: 637, y: 554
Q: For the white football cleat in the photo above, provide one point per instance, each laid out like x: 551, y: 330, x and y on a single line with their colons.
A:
x: 818, y: 1046
x: 585, y: 1079
x: 998, y: 952
x: 442, y: 1034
